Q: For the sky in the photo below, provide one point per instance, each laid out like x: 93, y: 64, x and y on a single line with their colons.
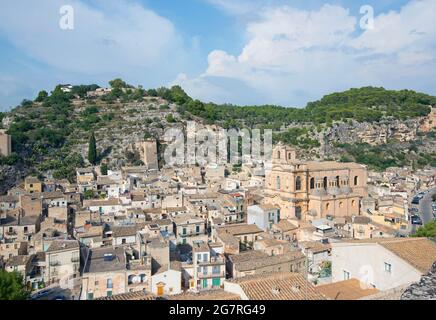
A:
x: 284, y: 52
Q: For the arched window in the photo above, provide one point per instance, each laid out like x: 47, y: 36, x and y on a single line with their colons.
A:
x: 278, y: 154
x: 298, y: 213
x: 327, y: 206
x: 356, y: 180
x: 289, y: 156
x: 341, y: 204
x: 353, y: 203
x: 278, y: 182
x: 298, y: 183
x: 312, y: 183
x: 337, y: 181
x: 325, y: 183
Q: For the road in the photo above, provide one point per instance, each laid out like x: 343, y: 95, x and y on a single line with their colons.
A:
x: 425, y: 209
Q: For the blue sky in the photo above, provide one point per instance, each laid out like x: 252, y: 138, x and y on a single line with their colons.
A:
x: 285, y: 52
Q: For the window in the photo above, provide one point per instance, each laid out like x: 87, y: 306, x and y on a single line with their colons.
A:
x: 204, y: 270
x: 327, y: 206
x: 298, y: 213
x: 278, y: 182
x: 298, y: 184
x: 123, y: 241
x: 197, y: 229
x: 278, y: 154
x: 388, y: 267
x: 109, y: 293
x: 109, y: 283
x: 199, y: 257
x: 205, y: 257
x: 312, y: 183
x: 90, y: 296
x: 356, y: 180
x: 337, y: 181
x: 184, y: 231
x: 353, y: 203
x: 325, y: 183
x: 341, y: 204
x: 216, y: 269
x: 346, y: 275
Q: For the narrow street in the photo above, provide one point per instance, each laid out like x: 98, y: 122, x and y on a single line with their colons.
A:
x: 425, y: 209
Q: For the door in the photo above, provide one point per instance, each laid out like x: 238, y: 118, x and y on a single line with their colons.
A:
x: 160, y: 290
x: 204, y: 283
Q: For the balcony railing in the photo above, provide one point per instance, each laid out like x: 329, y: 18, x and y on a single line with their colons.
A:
x: 211, y: 275
x: 213, y: 260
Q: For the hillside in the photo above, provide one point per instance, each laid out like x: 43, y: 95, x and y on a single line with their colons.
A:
x: 50, y: 134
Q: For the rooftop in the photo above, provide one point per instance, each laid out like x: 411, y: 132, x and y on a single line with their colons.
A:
x: 105, y: 260
x: 278, y: 286
x: 351, y: 289
x: 135, y: 296
x: 218, y: 294
x: 418, y: 252
x: 59, y: 245
x: 253, y: 260
x: 240, y: 229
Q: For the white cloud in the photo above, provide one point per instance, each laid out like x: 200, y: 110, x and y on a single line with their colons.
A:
x: 293, y: 55
x: 112, y: 35
x: 237, y: 7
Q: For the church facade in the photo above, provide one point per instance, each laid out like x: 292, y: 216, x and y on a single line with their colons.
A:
x: 308, y: 190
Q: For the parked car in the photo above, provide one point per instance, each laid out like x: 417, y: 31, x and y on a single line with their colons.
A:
x: 41, y: 294
x: 416, y: 220
x: 416, y: 200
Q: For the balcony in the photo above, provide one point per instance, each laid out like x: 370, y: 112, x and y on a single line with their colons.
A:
x: 212, y: 261
x: 221, y: 274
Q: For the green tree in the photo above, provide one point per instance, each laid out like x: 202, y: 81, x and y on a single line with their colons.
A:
x: 170, y: 118
x: 89, y: 194
x: 92, y: 150
x: 12, y: 286
x: 118, y: 84
x: 42, y: 95
x: 104, y: 169
x: 428, y: 230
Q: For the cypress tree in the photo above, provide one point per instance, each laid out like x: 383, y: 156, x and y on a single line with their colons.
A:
x: 92, y: 150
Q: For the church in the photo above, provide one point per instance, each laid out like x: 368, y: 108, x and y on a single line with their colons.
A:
x: 308, y: 190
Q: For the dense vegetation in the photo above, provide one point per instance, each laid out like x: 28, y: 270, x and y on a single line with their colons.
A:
x: 428, y: 230
x: 387, y: 155
x: 364, y: 104
x: 12, y: 287
x: 370, y: 104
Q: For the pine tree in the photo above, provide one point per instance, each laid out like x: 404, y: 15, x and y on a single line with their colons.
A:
x: 92, y: 150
